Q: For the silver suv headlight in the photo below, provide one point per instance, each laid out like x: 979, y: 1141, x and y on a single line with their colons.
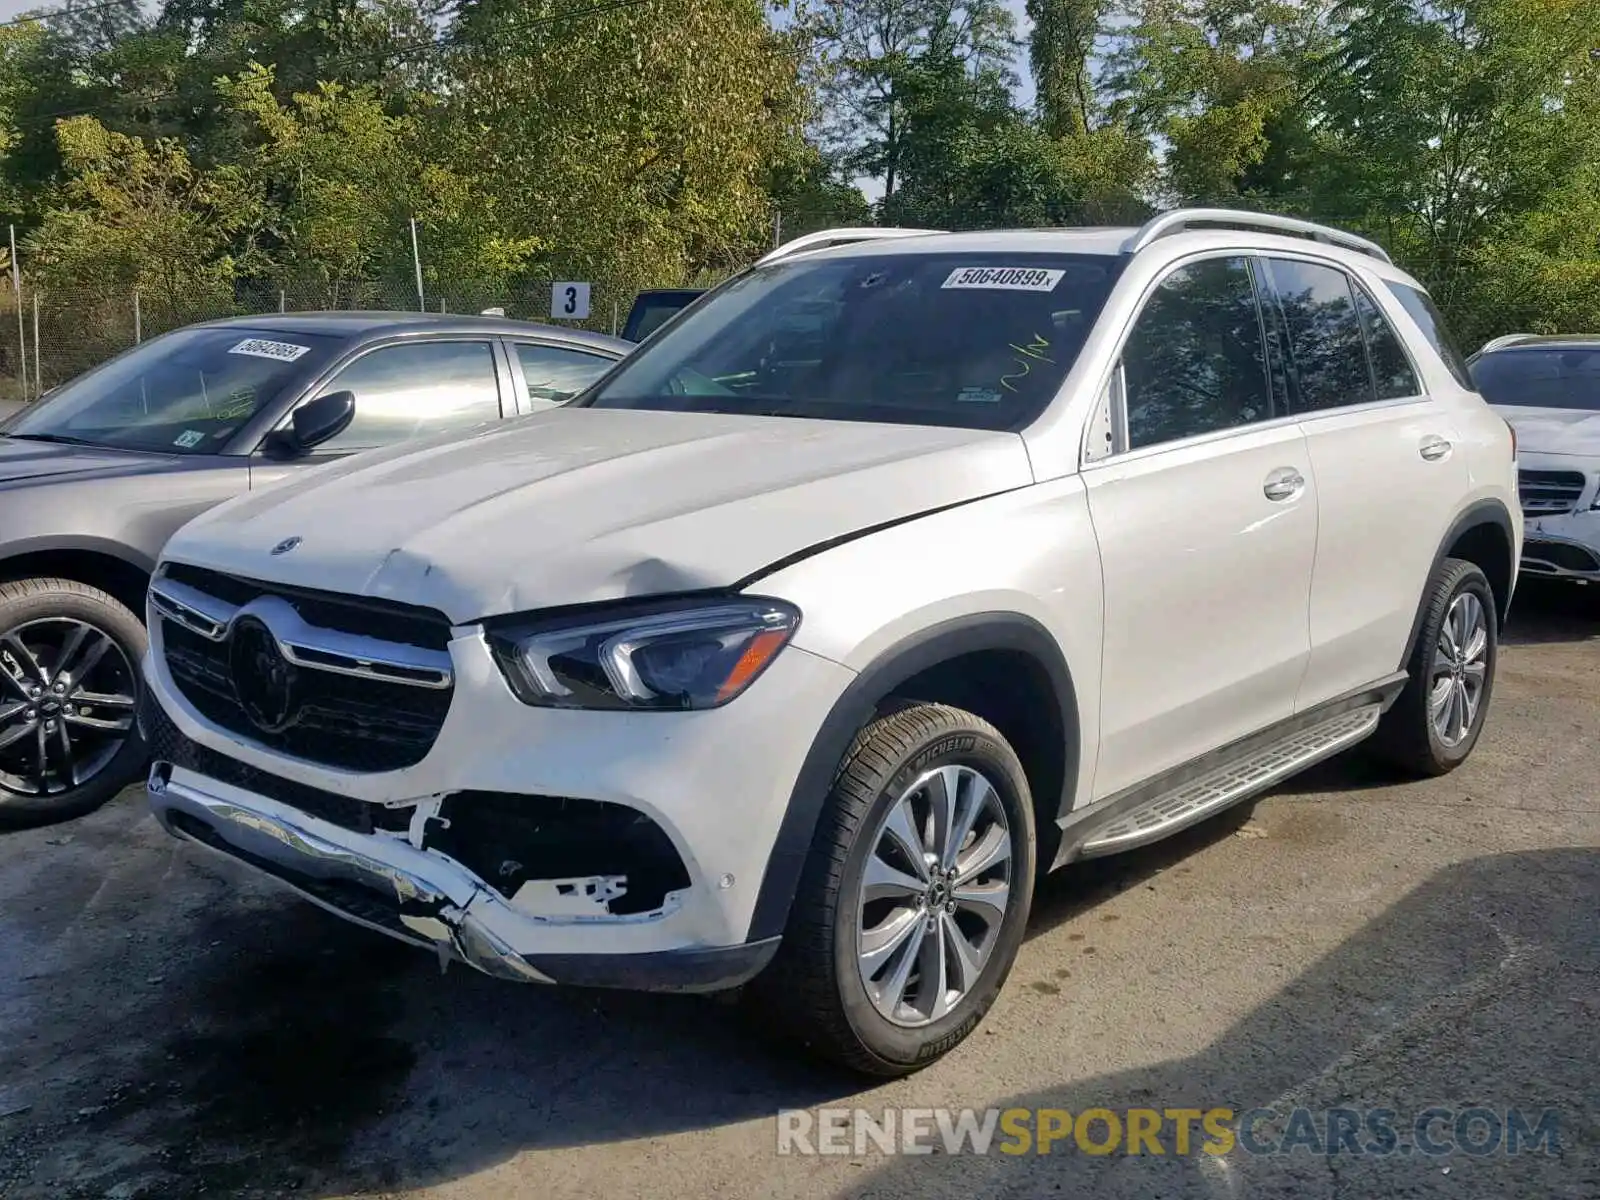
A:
x: 698, y: 654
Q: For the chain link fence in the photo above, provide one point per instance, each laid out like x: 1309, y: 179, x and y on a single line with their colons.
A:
x: 49, y: 335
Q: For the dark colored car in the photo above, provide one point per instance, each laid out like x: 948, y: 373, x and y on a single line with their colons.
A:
x: 651, y: 310
x: 97, y: 475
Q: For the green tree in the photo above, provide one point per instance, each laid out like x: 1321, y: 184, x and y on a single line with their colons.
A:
x: 137, y: 214
x: 1452, y: 127
x: 1229, y: 87
x: 872, y: 60
x: 1060, y: 52
x: 334, y: 175
x: 630, y: 145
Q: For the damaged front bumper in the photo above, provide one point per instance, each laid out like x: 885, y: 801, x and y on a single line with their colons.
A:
x: 385, y: 883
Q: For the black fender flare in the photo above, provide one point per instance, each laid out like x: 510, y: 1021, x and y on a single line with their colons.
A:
x: 910, y: 657
x: 1482, y: 512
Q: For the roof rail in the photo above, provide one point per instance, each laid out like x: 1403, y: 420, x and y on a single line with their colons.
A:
x: 1504, y: 340
x: 831, y: 237
x: 1184, y: 219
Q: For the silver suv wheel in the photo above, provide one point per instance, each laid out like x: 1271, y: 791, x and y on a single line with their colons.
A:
x: 935, y: 890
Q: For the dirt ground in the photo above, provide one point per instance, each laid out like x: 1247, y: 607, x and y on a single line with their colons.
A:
x: 168, y: 1031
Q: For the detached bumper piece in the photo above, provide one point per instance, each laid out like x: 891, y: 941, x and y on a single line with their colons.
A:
x: 446, y: 901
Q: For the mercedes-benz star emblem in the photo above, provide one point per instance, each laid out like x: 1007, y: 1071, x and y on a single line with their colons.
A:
x: 286, y: 545
x: 263, y: 680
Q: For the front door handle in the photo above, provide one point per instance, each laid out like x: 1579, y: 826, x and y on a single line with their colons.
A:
x: 1434, y: 448
x: 1284, y: 484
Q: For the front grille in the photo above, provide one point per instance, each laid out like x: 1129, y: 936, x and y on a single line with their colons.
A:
x: 167, y: 744
x: 1560, y: 554
x: 383, y: 619
x: 1549, y: 493
x: 354, y: 722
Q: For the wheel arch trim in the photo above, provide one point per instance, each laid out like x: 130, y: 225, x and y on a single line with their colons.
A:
x: 1481, y: 512
x: 939, y: 643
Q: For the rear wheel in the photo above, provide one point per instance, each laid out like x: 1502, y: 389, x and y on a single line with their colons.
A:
x: 1435, y: 723
x: 69, y: 685
x: 912, y: 904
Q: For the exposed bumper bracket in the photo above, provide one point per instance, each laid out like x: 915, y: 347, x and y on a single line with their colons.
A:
x: 421, y: 899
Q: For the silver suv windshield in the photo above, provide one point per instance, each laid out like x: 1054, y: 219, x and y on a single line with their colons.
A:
x: 1566, y: 377
x: 979, y: 341
x: 187, y: 392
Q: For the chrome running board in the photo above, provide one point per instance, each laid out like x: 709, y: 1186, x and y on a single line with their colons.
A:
x: 1171, y: 810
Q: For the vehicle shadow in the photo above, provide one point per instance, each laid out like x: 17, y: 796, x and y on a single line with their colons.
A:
x: 1476, y: 989
x: 1543, y: 612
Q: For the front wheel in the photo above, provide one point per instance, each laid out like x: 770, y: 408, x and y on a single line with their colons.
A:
x: 1435, y: 723
x: 69, y: 685
x: 913, y: 900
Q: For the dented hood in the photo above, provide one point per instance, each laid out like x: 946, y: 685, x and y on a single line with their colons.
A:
x: 580, y: 505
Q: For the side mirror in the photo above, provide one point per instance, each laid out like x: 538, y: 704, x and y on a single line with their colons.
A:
x: 314, y: 422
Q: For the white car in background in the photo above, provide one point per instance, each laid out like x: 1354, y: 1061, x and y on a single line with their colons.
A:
x: 1548, y: 388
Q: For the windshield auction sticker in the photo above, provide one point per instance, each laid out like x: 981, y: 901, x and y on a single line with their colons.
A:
x: 261, y: 348
x: 1004, y: 279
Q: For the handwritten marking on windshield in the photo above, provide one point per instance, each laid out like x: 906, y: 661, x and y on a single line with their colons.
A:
x: 1027, y: 355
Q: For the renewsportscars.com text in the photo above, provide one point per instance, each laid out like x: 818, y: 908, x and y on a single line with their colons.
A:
x: 1435, y: 1131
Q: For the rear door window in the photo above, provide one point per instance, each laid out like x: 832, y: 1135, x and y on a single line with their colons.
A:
x: 1391, y: 368
x: 1327, y: 345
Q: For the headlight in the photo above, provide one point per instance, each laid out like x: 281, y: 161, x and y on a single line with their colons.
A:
x: 698, y: 656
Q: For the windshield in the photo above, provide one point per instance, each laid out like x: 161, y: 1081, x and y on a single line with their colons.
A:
x: 979, y: 341
x: 185, y: 393
x: 1543, y: 378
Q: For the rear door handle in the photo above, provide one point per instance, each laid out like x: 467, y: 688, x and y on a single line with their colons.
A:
x: 1284, y: 484
x: 1434, y: 448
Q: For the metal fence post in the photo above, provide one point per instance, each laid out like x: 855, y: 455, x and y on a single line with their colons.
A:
x: 138, y: 319
x: 38, y: 369
x: 22, y: 337
x: 283, y: 301
x: 416, y: 259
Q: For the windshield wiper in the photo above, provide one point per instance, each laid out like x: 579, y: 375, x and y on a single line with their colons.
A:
x: 57, y: 438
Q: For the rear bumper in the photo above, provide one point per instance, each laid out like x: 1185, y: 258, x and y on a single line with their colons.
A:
x: 384, y: 883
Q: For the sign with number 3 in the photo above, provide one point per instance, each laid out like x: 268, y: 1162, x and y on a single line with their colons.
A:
x: 569, y: 301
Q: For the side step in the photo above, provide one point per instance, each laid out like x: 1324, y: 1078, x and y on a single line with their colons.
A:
x: 1169, y: 811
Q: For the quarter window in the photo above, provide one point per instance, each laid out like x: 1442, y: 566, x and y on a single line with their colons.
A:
x: 553, y: 374
x: 419, y: 388
x: 1327, y: 346
x: 1431, y: 321
x: 1195, y: 362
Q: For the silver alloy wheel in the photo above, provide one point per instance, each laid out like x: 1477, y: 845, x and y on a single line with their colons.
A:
x: 1460, y: 669
x: 934, y: 893
x: 67, y: 698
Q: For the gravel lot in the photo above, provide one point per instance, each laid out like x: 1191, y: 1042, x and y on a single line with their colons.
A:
x: 168, y: 1032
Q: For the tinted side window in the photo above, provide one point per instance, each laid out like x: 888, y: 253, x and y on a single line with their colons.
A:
x: 1390, y: 366
x: 421, y: 388
x: 1326, y: 345
x: 1421, y: 308
x: 1195, y: 361
x: 554, y: 375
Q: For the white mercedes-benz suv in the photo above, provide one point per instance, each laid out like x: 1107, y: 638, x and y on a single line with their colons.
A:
x: 1549, y: 389
x: 896, y: 571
